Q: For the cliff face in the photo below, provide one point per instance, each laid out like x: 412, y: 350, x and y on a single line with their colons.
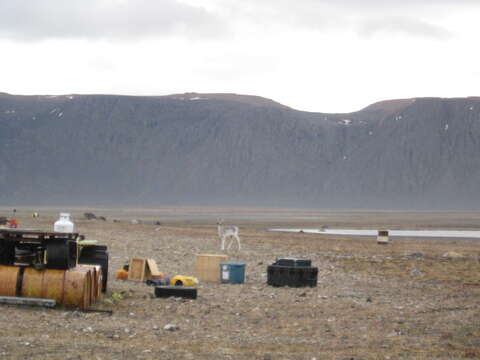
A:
x: 237, y: 150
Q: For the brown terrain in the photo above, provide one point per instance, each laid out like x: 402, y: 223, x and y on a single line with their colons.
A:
x: 404, y: 300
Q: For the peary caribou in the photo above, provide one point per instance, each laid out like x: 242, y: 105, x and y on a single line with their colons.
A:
x: 227, y: 231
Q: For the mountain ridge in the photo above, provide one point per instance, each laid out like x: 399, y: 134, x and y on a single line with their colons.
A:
x: 237, y: 149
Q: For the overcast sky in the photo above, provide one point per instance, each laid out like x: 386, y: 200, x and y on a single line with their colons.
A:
x: 314, y: 55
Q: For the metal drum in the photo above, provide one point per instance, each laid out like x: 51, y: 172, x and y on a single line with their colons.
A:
x: 44, y: 284
x: 53, y: 285
x: 71, y: 288
x: 32, y: 283
x: 77, y: 289
x: 8, y: 280
x: 90, y: 270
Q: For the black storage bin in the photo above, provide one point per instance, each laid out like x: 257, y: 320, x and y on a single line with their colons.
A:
x: 292, y: 276
x: 96, y: 255
x: 293, y: 262
x: 176, y: 291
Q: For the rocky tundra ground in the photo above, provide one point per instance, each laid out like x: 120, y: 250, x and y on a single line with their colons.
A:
x: 410, y: 299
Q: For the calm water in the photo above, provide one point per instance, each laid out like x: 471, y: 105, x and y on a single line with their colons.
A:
x: 399, y: 233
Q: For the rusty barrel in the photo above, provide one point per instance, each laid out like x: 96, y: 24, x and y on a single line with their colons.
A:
x: 53, y: 285
x: 90, y: 271
x: 43, y: 284
x: 32, y: 283
x: 8, y: 280
x: 97, y: 278
x: 71, y: 288
x: 77, y: 288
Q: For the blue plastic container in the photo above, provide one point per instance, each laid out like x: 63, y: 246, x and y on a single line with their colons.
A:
x: 232, y: 272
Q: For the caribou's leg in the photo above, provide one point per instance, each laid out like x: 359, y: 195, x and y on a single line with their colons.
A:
x: 223, y: 243
x: 238, y: 242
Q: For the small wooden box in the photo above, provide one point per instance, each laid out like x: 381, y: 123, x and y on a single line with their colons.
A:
x: 382, y: 237
x: 137, y: 269
x: 207, y: 266
x: 141, y: 269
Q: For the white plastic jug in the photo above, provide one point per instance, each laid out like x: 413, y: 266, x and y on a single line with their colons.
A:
x: 64, y: 224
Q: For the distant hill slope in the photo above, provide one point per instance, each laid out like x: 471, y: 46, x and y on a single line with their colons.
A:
x: 230, y: 149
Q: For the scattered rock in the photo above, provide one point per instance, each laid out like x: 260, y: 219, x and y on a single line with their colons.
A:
x: 171, y: 327
x: 416, y: 272
x: 353, y: 294
x: 415, y: 255
x: 89, y: 216
x: 452, y: 255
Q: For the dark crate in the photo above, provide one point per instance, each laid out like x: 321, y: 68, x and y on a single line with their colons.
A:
x: 158, y: 282
x: 293, y: 262
x: 292, y: 276
x: 96, y: 255
x: 176, y: 291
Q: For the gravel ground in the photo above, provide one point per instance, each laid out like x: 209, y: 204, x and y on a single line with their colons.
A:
x: 404, y: 300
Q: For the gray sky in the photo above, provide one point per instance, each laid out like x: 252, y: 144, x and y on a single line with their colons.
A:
x: 315, y: 55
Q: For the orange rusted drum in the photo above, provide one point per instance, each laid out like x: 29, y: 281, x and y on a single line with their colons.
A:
x: 92, y: 270
x: 77, y: 289
x: 97, y: 280
x: 44, y: 284
x: 32, y: 283
x: 8, y: 280
x: 89, y: 282
x: 72, y: 288
x: 53, y: 285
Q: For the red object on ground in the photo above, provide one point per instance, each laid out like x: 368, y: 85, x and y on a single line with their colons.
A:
x: 12, y: 223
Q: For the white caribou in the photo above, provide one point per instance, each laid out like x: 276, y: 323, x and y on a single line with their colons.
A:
x: 227, y: 231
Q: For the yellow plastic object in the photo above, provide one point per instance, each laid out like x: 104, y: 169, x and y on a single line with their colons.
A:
x: 87, y: 242
x: 8, y: 280
x: 182, y: 280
